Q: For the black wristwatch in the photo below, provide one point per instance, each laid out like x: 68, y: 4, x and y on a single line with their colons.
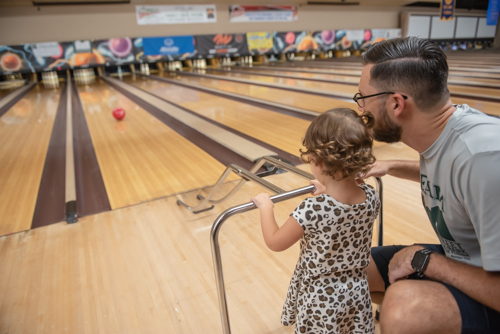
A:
x: 420, y: 261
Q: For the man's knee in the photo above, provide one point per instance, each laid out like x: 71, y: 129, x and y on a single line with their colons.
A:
x: 411, y: 306
x: 400, y: 301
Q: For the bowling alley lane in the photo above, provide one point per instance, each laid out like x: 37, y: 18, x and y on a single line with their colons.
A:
x: 475, y: 92
x: 282, y: 131
x: 322, y: 87
x: 490, y: 108
x: 299, y: 67
x: 334, y: 69
x: 296, y: 74
x: 276, y: 95
x: 24, y: 138
x: 475, y: 81
x: 4, y: 92
x: 337, y: 88
x: 140, y: 157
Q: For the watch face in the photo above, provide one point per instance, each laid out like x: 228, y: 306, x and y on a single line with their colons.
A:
x: 418, y: 261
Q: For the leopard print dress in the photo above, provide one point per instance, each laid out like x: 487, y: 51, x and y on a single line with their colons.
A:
x: 328, y: 291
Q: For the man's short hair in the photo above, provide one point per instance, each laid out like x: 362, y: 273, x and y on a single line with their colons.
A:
x: 415, y: 65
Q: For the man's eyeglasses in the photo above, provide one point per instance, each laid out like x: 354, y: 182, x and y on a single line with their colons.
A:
x: 359, y: 99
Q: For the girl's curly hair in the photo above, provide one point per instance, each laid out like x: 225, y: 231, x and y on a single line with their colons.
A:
x: 339, y: 139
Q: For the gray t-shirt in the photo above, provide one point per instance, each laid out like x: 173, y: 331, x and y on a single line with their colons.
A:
x: 460, y: 182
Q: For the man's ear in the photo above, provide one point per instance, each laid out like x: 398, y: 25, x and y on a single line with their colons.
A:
x: 397, y: 104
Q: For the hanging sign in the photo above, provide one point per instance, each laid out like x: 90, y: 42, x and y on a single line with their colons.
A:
x: 238, y: 13
x: 492, y: 14
x: 446, y: 10
x: 175, y: 14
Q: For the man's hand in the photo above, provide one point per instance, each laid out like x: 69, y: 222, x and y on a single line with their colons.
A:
x: 400, y: 265
x: 377, y: 169
x: 405, y: 169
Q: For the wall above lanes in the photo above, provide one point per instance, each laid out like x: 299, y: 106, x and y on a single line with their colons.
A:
x: 21, y: 25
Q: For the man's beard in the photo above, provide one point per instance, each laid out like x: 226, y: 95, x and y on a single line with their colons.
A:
x: 385, y: 130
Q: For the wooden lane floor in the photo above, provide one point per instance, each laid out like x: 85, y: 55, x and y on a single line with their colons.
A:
x: 282, y: 96
x: 300, y: 67
x: 469, y: 59
x: 148, y: 268
x: 348, y: 90
x: 339, y: 89
x: 352, y: 79
x: 484, y: 99
x: 330, y: 73
x: 4, y: 92
x: 144, y: 269
x: 140, y: 157
x: 333, y: 68
x: 281, y: 131
x: 293, y: 99
x: 318, y: 75
x: 490, y: 108
x: 24, y: 138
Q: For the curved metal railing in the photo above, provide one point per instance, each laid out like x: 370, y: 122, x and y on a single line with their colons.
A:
x: 246, y: 176
x: 214, y: 236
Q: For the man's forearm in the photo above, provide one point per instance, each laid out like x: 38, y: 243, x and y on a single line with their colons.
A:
x: 404, y: 169
x: 475, y: 282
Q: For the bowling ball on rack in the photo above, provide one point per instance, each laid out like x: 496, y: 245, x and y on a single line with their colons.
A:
x: 118, y: 113
x: 120, y: 47
x: 328, y: 36
x: 10, y: 62
x: 290, y: 38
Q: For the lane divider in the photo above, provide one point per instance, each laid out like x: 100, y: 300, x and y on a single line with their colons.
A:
x: 70, y: 185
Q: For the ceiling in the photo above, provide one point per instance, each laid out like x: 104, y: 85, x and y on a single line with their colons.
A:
x: 460, y: 4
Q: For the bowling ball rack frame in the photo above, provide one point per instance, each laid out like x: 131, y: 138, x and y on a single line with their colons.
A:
x: 281, y: 196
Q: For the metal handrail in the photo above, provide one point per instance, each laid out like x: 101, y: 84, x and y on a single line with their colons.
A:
x: 243, y: 173
x: 380, y: 191
x: 216, y: 250
x: 214, y: 240
x: 202, y: 206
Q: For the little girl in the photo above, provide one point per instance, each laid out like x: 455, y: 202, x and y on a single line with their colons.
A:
x: 329, y: 291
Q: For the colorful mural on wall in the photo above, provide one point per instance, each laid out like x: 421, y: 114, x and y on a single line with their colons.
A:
x: 51, y: 56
